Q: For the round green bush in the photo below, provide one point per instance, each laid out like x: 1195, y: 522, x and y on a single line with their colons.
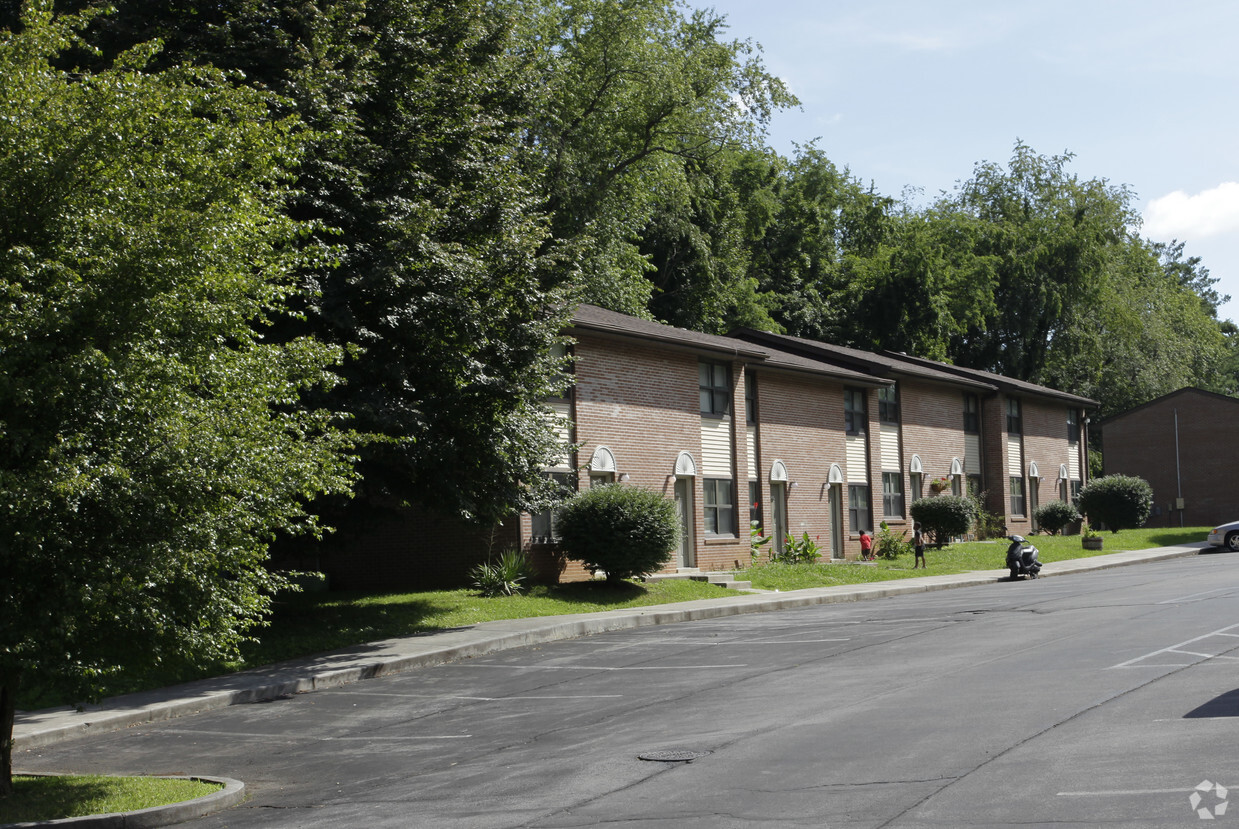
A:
x: 1055, y: 515
x: 1118, y: 501
x: 625, y: 531
x: 944, y: 516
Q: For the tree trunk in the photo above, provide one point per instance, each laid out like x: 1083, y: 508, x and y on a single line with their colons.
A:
x: 9, y: 681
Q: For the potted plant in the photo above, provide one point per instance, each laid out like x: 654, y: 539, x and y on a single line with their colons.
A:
x: 1089, y: 537
x: 939, y: 485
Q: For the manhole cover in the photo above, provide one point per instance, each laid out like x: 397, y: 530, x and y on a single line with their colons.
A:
x: 672, y: 755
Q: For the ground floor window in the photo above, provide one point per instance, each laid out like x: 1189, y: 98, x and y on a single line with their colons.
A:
x: 720, y: 507
x: 858, y: 508
x: 755, y: 519
x: 892, y: 494
x: 544, y: 530
x: 1017, y: 496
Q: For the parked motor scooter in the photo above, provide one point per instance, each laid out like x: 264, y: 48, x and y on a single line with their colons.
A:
x: 1022, y: 558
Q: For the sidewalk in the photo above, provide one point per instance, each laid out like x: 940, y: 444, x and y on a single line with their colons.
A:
x: 39, y: 728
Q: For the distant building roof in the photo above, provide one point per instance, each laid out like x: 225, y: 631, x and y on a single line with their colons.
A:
x: 1177, y: 393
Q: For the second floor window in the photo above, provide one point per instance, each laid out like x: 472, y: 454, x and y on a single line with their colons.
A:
x: 750, y: 399
x: 888, y: 405
x: 1073, y: 426
x: 1015, y: 417
x: 972, y: 414
x: 855, y: 414
x: 714, y: 388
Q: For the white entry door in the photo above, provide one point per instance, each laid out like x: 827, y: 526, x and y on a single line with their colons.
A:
x: 836, y: 521
x: 687, y: 551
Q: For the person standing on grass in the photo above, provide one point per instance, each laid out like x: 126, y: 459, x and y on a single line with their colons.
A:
x: 918, y: 543
x: 866, y: 546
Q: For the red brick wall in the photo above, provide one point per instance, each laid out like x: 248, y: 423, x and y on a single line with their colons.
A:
x: 641, y: 403
x: 1142, y: 443
x: 801, y: 424
x: 933, y: 428
x: 1045, y: 444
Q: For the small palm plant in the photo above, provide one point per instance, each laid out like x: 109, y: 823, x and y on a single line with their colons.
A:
x: 504, y: 577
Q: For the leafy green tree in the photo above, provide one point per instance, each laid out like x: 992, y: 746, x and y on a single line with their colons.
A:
x: 1118, y: 501
x: 1045, y: 237
x: 443, y: 283
x: 152, y: 439
x: 635, y: 98
x: 625, y: 531
x: 1144, y: 334
x: 1191, y: 274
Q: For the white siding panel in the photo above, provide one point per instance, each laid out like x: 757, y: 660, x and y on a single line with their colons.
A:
x: 1015, y: 458
x: 561, y: 422
x: 750, y: 445
x: 715, y: 448
x: 1073, y: 465
x: 858, y: 460
x: 972, y: 454
x: 890, y: 448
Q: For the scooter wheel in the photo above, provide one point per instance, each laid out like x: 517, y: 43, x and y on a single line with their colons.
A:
x: 1015, y: 574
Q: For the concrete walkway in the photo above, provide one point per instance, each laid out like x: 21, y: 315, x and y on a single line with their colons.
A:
x: 39, y: 728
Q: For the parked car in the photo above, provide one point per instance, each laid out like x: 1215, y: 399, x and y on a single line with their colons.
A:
x: 1226, y: 535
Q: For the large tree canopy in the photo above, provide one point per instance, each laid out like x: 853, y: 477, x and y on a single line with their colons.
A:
x: 634, y: 100
x: 443, y: 280
x: 152, y: 440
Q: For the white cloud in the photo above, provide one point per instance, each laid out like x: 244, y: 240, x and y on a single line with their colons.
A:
x: 1207, y: 213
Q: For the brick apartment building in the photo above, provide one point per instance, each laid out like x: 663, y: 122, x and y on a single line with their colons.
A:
x: 802, y: 436
x: 833, y: 440
x: 1186, y: 445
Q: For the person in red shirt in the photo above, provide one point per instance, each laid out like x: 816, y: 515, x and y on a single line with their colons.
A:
x: 866, y: 546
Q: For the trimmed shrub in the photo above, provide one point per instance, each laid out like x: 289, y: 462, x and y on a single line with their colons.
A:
x: 625, y: 531
x: 1055, y: 515
x: 943, y: 517
x: 1118, y: 501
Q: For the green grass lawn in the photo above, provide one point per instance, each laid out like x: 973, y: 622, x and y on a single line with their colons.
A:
x: 961, y: 558
x: 65, y: 796
x: 309, y: 623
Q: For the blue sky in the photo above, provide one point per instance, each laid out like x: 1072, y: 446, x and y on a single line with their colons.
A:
x: 915, y: 94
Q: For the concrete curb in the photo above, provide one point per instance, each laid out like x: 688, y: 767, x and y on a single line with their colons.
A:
x: 232, y: 794
x: 42, y: 728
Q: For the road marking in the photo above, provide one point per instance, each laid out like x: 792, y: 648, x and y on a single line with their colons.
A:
x: 1192, y: 596
x: 257, y: 736
x: 1124, y: 792
x: 602, y: 668
x: 491, y: 699
x: 1178, y: 648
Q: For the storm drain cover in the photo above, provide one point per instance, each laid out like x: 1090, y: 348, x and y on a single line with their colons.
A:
x: 672, y: 755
